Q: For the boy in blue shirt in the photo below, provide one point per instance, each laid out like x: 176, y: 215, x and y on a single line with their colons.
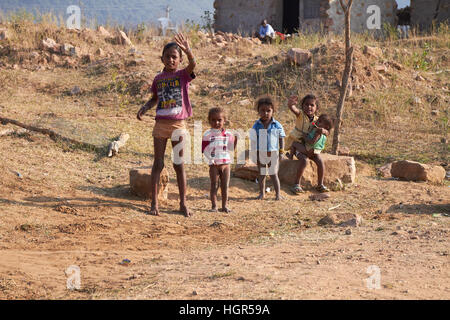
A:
x: 270, y: 144
x: 266, y: 32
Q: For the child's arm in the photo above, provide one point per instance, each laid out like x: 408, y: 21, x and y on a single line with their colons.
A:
x: 183, y: 43
x: 323, y: 131
x: 314, y: 139
x: 150, y: 104
x: 292, y: 104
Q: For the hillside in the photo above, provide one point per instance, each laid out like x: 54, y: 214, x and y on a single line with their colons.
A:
x: 128, y: 13
x: 63, y: 202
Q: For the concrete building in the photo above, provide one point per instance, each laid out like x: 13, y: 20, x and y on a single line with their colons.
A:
x: 306, y: 15
x: 424, y: 12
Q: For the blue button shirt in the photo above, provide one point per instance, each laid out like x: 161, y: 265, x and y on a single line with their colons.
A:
x: 266, y: 31
x: 275, y: 131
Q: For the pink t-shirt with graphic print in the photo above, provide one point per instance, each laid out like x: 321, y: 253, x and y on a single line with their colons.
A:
x: 171, y: 88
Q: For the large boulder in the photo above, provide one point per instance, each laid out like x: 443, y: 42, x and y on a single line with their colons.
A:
x: 336, y: 168
x: 415, y: 171
x: 140, y: 183
x: 299, y: 56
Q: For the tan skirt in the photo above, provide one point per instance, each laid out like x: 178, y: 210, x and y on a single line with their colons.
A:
x: 165, y: 127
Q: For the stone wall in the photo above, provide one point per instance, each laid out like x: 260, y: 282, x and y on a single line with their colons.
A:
x: 424, y: 11
x: 360, y: 15
x: 245, y: 16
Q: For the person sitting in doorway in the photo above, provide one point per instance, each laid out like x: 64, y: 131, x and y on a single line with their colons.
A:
x: 266, y: 32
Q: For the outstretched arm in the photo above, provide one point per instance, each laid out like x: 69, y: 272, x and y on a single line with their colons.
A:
x: 183, y: 43
x: 292, y: 104
x: 150, y: 104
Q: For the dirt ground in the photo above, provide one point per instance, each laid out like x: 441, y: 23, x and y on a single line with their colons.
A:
x: 262, y: 250
x: 62, y: 205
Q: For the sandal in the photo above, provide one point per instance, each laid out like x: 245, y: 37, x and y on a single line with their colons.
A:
x: 322, y: 188
x: 297, y: 189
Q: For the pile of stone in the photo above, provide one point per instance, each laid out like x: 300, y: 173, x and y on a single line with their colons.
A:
x: 222, y: 39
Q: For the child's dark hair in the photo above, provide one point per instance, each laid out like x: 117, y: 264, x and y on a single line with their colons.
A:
x: 327, y: 120
x: 310, y: 96
x: 216, y: 110
x: 172, y: 45
x: 266, y: 100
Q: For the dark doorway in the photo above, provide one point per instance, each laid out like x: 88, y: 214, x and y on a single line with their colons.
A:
x: 291, y: 9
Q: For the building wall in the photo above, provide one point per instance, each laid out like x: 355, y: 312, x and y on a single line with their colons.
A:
x: 245, y: 16
x: 360, y: 16
x: 424, y: 11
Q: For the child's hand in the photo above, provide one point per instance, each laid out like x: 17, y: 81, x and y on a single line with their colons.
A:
x: 141, y: 113
x: 182, y: 42
x: 293, y: 101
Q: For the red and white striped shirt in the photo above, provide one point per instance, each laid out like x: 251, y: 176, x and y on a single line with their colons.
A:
x: 217, y: 145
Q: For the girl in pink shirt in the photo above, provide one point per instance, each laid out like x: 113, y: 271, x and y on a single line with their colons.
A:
x: 170, y: 95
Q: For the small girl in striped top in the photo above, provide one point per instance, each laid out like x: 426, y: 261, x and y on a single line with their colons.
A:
x: 218, y: 146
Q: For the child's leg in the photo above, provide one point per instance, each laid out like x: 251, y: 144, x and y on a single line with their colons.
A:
x: 300, y: 153
x: 261, y: 179
x: 158, y: 165
x: 181, y: 180
x: 214, y: 177
x: 224, y: 172
x: 320, y: 168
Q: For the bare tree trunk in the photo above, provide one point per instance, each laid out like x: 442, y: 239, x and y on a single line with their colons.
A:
x: 52, y: 134
x: 345, y: 76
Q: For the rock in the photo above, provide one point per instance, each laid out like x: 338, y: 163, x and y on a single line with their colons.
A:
x: 415, y: 171
x: 4, y: 34
x: 100, y: 52
x: 69, y: 50
x: 140, y: 183
x: 50, y: 45
x: 75, y: 90
x: 395, y: 65
x: 135, y: 62
x: 343, y: 151
x: 319, y: 197
x: 381, y: 68
x: 103, y: 32
x: 256, y: 41
x: 219, y: 38
x: 341, y: 219
x: 385, y: 171
x: 87, y: 58
x: 434, y: 112
x: 122, y: 39
x: 336, y: 167
x: 417, y: 100
x: 348, y: 232
x: 55, y: 58
x: 337, y: 185
x: 419, y: 78
x: 373, y: 51
x: 245, y: 102
x: 298, y: 56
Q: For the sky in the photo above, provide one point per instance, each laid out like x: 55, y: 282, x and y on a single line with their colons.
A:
x: 403, y: 3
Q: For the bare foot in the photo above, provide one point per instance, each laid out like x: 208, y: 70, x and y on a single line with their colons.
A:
x: 186, y: 211
x: 154, y: 211
x: 279, y: 197
x: 213, y: 209
x: 260, y: 197
x: 225, y: 209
